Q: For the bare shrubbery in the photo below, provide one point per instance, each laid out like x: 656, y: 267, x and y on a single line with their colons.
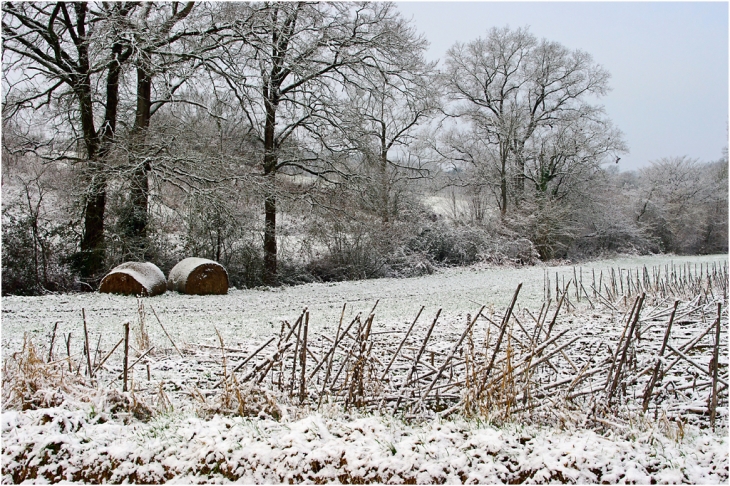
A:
x: 684, y: 205
x: 36, y: 235
x: 360, y: 245
x: 463, y: 244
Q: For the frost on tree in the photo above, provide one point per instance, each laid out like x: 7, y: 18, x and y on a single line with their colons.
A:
x: 198, y: 276
x: 134, y: 278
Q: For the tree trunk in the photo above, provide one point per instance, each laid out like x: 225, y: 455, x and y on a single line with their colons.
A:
x: 519, y: 154
x: 91, y: 260
x: 93, y: 251
x: 270, y: 252
x: 519, y: 180
x: 135, y: 226
x: 270, y: 276
x: 503, y: 188
x: 384, y: 185
x: 136, y: 219
x: 98, y: 145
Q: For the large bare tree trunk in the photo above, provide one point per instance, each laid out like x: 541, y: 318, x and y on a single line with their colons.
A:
x: 136, y: 217
x: 91, y: 261
x: 503, y: 187
x: 92, y: 244
x: 270, y: 251
x: 270, y: 276
x: 98, y: 145
x: 520, y: 180
x: 384, y: 184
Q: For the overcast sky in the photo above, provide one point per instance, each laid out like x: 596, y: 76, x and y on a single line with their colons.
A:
x: 668, y: 62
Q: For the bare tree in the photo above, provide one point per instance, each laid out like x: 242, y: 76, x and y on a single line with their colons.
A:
x: 149, y: 32
x: 684, y: 203
x: 509, y: 86
x: 572, y: 150
x: 170, y: 41
x: 286, y: 71
x: 51, y: 52
x: 385, y: 107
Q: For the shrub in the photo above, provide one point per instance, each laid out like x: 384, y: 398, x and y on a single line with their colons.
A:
x: 352, y: 249
x: 458, y: 244
x: 34, y: 254
x: 449, y: 244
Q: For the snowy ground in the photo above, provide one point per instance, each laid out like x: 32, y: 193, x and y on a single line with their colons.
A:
x: 90, y: 433
x: 354, y: 449
x: 245, y: 315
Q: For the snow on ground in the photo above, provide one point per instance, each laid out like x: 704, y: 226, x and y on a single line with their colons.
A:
x: 245, y: 315
x: 88, y: 437
x: 87, y: 446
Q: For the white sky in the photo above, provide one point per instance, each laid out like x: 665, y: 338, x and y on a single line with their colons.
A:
x: 668, y: 62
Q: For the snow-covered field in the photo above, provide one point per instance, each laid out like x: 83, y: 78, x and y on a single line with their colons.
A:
x: 79, y: 431
x: 245, y: 315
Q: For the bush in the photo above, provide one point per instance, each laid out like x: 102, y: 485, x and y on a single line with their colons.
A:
x: 33, y: 260
x: 368, y: 248
x: 613, y: 238
x: 458, y: 244
x: 449, y: 244
x: 353, y: 249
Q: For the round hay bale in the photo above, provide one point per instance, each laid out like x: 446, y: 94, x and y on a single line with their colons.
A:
x: 134, y: 278
x: 198, y: 276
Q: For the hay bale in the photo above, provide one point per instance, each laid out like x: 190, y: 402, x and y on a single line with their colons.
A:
x: 134, y: 278
x: 198, y: 276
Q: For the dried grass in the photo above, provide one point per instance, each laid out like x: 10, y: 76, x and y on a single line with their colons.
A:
x: 234, y: 398
x: 244, y: 400
x: 29, y: 383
